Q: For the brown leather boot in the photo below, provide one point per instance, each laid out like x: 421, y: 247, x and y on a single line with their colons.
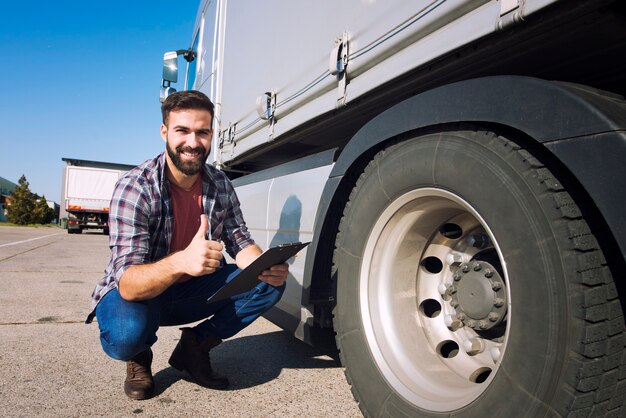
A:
x: 139, y: 383
x: 193, y: 357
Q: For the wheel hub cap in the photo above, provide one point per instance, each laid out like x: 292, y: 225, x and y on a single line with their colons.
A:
x: 478, y: 295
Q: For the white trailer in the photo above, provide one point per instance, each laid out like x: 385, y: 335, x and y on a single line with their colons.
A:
x: 465, y: 211
x: 88, y: 192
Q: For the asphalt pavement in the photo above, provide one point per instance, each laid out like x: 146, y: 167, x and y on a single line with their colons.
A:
x: 51, y: 363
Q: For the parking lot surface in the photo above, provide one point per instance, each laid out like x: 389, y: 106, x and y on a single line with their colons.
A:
x: 52, y: 365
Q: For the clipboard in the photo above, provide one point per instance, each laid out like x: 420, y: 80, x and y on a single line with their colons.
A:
x: 249, y: 277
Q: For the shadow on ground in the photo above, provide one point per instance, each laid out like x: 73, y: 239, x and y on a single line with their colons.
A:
x: 265, y: 357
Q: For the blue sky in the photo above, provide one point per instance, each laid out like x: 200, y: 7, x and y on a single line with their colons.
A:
x: 80, y: 79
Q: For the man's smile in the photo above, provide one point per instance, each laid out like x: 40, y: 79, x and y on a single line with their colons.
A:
x: 190, y: 153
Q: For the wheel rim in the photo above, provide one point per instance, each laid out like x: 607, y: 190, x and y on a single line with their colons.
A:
x: 434, y: 299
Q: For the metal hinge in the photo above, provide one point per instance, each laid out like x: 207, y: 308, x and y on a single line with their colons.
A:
x: 232, y: 130
x: 221, y: 135
x: 511, y: 11
x: 227, y: 135
x: 338, y: 65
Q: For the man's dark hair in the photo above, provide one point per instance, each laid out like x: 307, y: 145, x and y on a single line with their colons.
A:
x: 186, y: 99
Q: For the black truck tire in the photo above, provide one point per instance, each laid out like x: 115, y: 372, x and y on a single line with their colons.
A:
x: 469, y: 285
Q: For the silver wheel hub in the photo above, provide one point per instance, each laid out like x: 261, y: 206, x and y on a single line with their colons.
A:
x: 435, y: 304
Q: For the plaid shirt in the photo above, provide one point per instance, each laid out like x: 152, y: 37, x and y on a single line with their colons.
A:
x: 141, y: 219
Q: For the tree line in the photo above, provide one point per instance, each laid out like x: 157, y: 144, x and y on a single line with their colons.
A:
x: 25, y: 209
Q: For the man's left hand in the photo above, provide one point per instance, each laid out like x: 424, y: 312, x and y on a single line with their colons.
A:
x: 276, y: 275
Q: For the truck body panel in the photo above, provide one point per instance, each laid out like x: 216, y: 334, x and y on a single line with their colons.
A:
x: 383, y: 45
x: 279, y: 213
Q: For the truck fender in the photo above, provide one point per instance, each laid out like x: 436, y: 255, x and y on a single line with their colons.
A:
x: 569, y: 120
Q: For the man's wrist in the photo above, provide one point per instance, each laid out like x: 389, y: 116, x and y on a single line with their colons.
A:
x: 175, y: 264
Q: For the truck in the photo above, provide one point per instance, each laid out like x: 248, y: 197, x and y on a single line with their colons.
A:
x: 458, y: 166
x: 87, y: 192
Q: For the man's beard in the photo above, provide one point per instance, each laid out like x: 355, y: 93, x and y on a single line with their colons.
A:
x: 189, y: 168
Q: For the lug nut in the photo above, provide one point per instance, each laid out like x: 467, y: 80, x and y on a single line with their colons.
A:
x: 488, y: 273
x: 496, y: 285
x: 477, y: 241
x: 454, y: 257
x: 454, y: 303
x: 466, y: 268
x: 477, y: 267
x: 482, y: 324
x: 495, y: 354
x: 473, y: 346
x: 498, y: 302
x: 493, y: 316
x: 471, y: 323
x: 461, y: 316
x: 452, y: 322
x: 457, y: 276
x: 443, y: 288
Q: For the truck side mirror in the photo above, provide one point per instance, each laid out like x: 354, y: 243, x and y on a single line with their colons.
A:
x: 170, y: 67
x: 170, y: 74
x: 170, y: 70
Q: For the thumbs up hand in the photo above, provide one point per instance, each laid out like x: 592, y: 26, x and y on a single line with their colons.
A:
x: 201, y: 256
x: 204, y: 228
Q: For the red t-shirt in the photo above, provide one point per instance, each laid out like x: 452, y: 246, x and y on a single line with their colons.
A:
x: 187, y: 206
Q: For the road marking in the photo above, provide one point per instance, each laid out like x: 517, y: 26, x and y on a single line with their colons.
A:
x: 27, y: 240
x: 39, y: 322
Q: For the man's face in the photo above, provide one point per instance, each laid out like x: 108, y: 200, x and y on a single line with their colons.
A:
x: 188, y: 139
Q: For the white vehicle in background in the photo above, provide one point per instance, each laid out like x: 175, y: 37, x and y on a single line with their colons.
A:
x: 466, y: 211
x: 88, y: 192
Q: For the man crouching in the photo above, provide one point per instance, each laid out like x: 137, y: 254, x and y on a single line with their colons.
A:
x: 168, y: 219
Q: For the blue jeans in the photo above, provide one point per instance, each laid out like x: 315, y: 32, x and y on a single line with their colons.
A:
x: 128, y: 328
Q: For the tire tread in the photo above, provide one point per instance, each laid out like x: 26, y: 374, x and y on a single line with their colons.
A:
x: 601, y: 358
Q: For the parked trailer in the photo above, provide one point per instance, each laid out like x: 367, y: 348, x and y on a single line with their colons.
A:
x: 88, y: 192
x: 465, y: 211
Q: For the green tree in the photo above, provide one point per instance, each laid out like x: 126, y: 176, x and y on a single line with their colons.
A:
x: 20, y: 211
x: 42, y: 213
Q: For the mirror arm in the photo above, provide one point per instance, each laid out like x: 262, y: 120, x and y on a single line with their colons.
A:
x: 188, y: 54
